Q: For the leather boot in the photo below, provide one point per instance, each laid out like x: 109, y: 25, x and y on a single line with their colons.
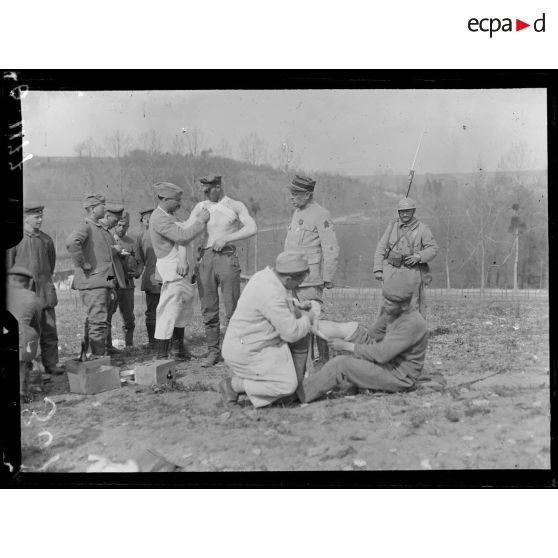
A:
x: 98, y: 348
x: 179, y: 349
x: 162, y: 349
x: 129, y: 337
x: 150, y: 333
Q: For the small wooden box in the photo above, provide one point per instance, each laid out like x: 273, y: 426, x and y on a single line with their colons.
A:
x: 94, y: 380
x: 154, y: 372
x: 77, y: 366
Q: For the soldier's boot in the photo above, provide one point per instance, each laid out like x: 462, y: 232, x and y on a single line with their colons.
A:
x: 129, y: 337
x: 150, y: 334
x: 214, y: 354
x: 180, y: 351
x: 98, y: 347
x: 162, y: 348
x: 323, y: 350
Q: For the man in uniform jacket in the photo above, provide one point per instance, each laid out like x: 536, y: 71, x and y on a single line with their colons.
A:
x: 125, y: 295
x: 36, y: 253
x: 312, y: 232
x: 406, y: 247
x: 26, y: 308
x: 97, y: 270
x: 177, y: 293
x: 389, y: 356
x: 147, y: 260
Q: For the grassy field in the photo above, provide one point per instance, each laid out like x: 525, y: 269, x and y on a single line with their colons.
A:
x: 492, y: 413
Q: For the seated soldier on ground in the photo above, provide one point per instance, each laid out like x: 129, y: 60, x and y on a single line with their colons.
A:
x: 388, y: 357
x: 26, y: 307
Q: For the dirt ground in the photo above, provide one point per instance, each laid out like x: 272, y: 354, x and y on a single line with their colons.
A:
x: 499, y: 422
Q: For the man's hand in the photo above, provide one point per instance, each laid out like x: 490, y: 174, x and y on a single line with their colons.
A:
x: 328, y: 284
x: 379, y: 275
x: 219, y: 244
x: 86, y: 267
x: 341, y: 345
x: 182, y: 270
x: 203, y: 215
x: 413, y: 259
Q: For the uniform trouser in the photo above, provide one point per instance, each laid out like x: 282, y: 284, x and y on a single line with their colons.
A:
x: 414, y: 276
x: 174, y: 308
x: 358, y: 372
x: 49, y: 338
x: 217, y: 269
x: 151, y: 301
x: 96, y: 302
x: 124, y: 301
x: 364, y: 374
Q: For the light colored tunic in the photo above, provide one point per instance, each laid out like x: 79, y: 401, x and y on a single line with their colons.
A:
x: 312, y: 232
x: 256, y: 343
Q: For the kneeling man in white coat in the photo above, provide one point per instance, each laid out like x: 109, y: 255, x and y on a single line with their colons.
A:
x: 256, y: 344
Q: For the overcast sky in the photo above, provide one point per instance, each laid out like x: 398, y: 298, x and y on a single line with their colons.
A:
x: 346, y: 131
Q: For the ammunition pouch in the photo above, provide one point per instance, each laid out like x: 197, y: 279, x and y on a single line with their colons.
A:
x: 395, y: 259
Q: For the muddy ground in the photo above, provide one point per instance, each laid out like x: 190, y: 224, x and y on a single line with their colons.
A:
x: 499, y: 422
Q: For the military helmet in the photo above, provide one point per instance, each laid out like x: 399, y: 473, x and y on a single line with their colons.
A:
x: 406, y: 203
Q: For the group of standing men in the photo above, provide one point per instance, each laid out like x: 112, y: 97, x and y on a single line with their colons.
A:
x: 171, y: 256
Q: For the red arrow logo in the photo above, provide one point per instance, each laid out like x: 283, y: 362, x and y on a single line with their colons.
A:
x: 519, y: 25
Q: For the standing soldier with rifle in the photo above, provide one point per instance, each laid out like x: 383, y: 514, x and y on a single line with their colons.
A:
x: 406, y: 247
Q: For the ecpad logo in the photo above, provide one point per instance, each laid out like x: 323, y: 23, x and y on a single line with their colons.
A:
x: 493, y: 25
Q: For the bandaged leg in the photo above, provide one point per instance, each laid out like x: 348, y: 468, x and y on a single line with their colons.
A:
x: 326, y: 329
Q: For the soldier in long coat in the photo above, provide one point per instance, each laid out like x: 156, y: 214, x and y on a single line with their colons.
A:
x: 312, y: 232
x: 147, y: 261
x: 37, y: 254
x: 97, y: 270
x: 26, y: 307
x: 406, y: 247
x: 125, y: 296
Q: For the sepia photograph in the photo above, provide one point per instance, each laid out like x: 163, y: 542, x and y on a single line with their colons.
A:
x: 282, y: 279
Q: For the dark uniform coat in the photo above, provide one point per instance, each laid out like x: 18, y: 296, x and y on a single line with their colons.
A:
x: 92, y: 243
x: 145, y: 255
x: 36, y: 253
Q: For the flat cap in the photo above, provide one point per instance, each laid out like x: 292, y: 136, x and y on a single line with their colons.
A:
x: 92, y: 200
x: 210, y: 180
x: 143, y: 212
x: 290, y: 261
x: 406, y: 203
x: 302, y: 184
x: 20, y: 270
x: 32, y: 208
x: 398, y: 288
x: 168, y: 190
x: 115, y: 209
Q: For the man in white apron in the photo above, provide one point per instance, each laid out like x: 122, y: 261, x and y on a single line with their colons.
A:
x: 218, y: 265
x: 177, y: 292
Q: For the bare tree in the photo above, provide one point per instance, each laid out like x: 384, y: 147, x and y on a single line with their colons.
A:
x: 223, y: 149
x: 151, y: 142
x: 178, y: 146
x: 253, y: 149
x: 118, y: 145
x: 194, y: 141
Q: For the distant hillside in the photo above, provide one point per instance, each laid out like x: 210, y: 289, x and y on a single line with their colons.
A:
x: 361, y: 206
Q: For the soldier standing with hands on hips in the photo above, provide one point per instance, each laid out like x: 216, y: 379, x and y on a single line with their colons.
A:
x: 218, y: 264
x: 312, y: 232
